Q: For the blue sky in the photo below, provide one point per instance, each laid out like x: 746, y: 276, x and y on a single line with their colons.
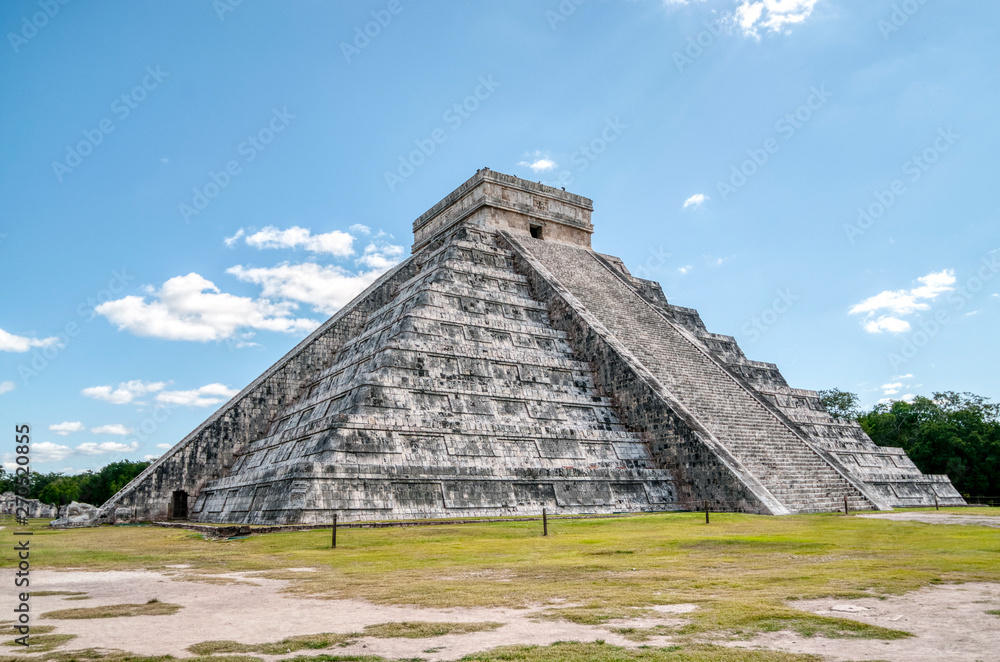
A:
x: 189, y: 187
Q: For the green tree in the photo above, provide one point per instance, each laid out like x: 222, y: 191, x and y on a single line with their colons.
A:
x: 840, y: 404
x: 951, y: 433
x: 61, y: 491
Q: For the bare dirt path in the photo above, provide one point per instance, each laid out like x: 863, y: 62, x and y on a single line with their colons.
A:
x: 938, y: 518
x: 255, y: 611
x: 950, y: 623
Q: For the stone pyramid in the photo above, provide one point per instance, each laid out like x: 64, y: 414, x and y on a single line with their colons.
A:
x: 506, y: 367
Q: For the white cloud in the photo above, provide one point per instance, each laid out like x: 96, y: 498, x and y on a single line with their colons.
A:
x: 150, y: 458
x: 890, y: 324
x: 114, y: 428
x: 539, y: 165
x: 892, y: 388
x: 382, y: 257
x: 192, y: 308
x: 906, y: 376
x: 164, y: 446
x: 124, y: 393
x: 6, y: 387
x: 360, y: 229
x: 336, y: 243
x: 231, y: 241
x: 11, y: 343
x: 93, y: 448
x: 46, y: 451
x: 210, y: 394
x: 325, y: 288
x: 685, y: 270
x: 695, y: 200
x: 66, y: 427
x: 754, y: 16
x: 885, y: 309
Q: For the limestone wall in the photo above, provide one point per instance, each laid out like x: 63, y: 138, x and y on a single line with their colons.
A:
x: 207, y: 453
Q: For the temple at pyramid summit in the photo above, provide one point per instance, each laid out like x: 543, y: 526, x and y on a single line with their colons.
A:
x: 504, y: 367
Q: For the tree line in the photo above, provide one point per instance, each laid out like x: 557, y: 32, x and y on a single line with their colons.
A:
x: 91, y: 487
x: 957, y: 434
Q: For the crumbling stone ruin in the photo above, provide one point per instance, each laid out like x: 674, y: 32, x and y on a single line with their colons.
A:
x: 75, y: 514
x: 32, y: 508
x: 506, y: 367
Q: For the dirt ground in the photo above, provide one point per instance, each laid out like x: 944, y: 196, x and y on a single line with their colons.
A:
x: 938, y: 518
x: 253, y: 610
x: 950, y: 621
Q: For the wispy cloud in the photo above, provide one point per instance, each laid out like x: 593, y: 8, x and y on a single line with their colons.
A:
x: 114, y: 428
x: 14, y: 343
x: 539, y: 165
x: 335, y: 243
x: 756, y: 16
x: 695, y: 200
x: 66, y: 427
x: 884, y: 311
x: 124, y: 393
x: 327, y: 288
x: 6, y: 387
x: 47, y: 451
x: 206, y: 396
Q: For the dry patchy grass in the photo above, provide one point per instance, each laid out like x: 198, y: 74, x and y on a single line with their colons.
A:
x: 41, y: 643
x: 310, y: 641
x: 740, y: 569
x: 421, y: 629
x: 152, y: 608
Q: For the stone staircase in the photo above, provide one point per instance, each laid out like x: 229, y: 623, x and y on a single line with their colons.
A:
x: 777, y: 455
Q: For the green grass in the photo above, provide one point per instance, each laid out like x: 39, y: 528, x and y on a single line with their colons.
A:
x: 421, y: 629
x: 644, y: 634
x: 310, y: 641
x: 41, y: 643
x: 102, y: 655
x: 740, y: 570
x: 152, y: 608
x: 994, y: 612
x: 35, y: 629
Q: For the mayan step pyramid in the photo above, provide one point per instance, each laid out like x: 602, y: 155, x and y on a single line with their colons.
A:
x: 506, y: 367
